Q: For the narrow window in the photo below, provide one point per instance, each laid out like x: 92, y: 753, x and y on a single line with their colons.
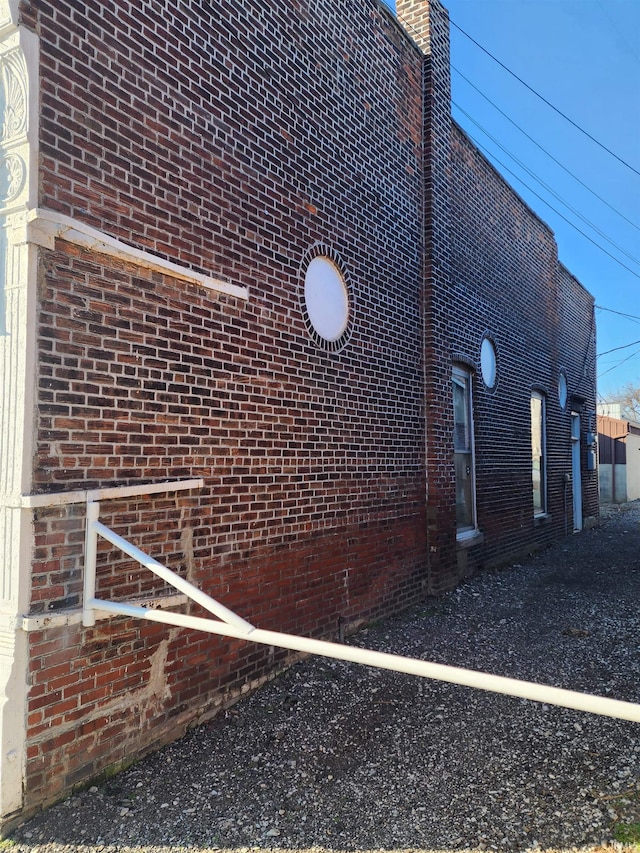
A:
x: 463, y: 451
x: 538, y: 461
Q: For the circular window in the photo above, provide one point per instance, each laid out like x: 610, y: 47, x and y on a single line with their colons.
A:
x: 488, y: 364
x: 562, y: 390
x: 326, y: 301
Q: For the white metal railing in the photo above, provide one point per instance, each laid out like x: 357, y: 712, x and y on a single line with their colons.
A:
x: 95, y: 527
x: 230, y: 624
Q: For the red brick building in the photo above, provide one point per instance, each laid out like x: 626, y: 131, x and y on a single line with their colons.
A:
x: 248, y: 253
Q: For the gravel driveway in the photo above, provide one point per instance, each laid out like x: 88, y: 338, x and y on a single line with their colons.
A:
x: 337, y: 757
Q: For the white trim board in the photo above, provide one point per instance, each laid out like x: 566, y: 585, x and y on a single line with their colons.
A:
x: 45, y: 226
x: 48, y: 499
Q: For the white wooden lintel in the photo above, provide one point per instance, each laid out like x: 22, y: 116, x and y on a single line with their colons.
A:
x: 45, y: 226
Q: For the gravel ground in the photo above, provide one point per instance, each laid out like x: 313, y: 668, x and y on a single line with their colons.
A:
x: 337, y: 757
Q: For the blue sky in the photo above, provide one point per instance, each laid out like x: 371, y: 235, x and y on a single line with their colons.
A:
x: 583, y: 56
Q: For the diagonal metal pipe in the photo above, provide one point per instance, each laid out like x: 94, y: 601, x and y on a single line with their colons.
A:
x: 440, y: 672
x: 229, y: 624
x: 228, y: 616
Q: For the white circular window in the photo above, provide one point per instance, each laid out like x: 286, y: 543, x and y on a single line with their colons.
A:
x: 326, y: 301
x: 488, y: 364
x: 562, y: 390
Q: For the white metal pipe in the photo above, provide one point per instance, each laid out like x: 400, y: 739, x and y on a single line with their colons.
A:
x: 440, y: 672
x: 175, y: 580
x: 149, y: 489
x: 111, y: 492
x: 90, y: 558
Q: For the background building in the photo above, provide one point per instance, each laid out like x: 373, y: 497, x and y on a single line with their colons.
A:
x: 618, y: 455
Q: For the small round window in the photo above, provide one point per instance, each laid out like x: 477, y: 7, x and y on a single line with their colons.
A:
x: 488, y: 363
x: 326, y: 301
x: 562, y: 389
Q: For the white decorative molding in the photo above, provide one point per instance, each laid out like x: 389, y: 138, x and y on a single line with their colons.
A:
x: 15, y: 123
x: 47, y: 226
x: 8, y: 16
x: 19, y: 83
x: 13, y: 176
x: 13, y: 80
x: 19, y: 99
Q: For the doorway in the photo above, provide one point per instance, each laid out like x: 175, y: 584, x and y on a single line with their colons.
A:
x: 576, y: 472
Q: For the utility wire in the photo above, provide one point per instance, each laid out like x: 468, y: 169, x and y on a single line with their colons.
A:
x: 544, y: 151
x: 551, y: 207
x: 632, y: 317
x: 620, y: 313
x: 615, y: 349
x: 618, y: 32
x: 544, y: 100
x: 482, y: 148
x: 619, y: 364
x: 546, y: 186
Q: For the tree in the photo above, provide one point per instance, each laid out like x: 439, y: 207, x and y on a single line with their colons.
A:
x: 629, y: 398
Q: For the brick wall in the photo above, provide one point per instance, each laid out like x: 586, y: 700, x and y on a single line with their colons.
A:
x: 231, y: 141
x: 491, y: 269
x: 507, y: 284
x: 428, y: 24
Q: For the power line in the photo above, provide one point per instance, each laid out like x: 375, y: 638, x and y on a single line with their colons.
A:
x: 545, y: 101
x: 619, y: 364
x: 551, y: 207
x: 618, y: 32
x: 620, y: 313
x: 615, y: 349
x: 547, y: 187
x: 537, y: 195
x: 544, y: 150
